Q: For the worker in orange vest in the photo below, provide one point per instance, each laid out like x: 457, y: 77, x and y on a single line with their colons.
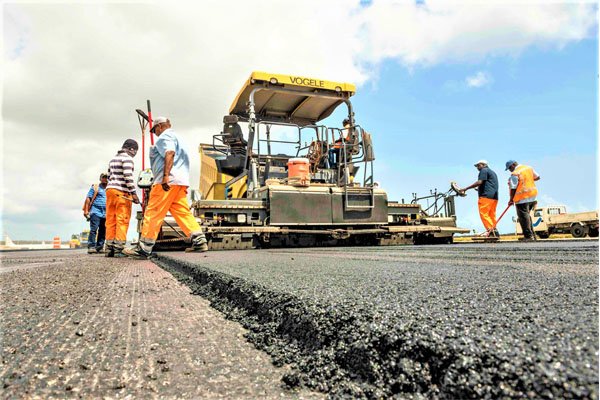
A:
x: 523, y: 193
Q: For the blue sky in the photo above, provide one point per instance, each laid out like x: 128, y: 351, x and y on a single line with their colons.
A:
x: 440, y: 86
x: 539, y: 107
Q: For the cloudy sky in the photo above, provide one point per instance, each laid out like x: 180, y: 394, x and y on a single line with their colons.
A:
x: 441, y: 84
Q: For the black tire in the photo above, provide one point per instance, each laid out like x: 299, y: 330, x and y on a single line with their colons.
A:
x: 543, y: 235
x: 593, y: 232
x: 578, y: 231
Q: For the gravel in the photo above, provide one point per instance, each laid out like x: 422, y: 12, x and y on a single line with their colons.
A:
x: 460, y: 321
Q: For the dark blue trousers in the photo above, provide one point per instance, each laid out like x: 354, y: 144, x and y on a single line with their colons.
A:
x: 97, y: 232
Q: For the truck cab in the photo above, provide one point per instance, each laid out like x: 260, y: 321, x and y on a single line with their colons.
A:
x: 555, y: 219
x: 541, y: 216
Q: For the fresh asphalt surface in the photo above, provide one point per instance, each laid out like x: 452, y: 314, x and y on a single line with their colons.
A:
x: 504, y: 320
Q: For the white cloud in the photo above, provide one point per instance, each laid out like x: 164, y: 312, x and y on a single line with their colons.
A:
x: 444, y: 31
x: 478, y: 80
x: 74, y: 73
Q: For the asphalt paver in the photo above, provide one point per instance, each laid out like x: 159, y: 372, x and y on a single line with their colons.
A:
x: 505, y: 320
x: 74, y: 325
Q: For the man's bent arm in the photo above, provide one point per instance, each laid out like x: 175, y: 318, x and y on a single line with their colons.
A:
x: 169, y: 158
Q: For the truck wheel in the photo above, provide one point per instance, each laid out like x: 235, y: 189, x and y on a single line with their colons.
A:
x: 593, y: 232
x: 578, y: 231
x: 543, y: 235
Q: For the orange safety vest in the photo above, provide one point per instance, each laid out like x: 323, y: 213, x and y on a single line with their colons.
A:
x: 526, y: 187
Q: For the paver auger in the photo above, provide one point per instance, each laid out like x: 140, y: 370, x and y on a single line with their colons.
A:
x: 289, y: 181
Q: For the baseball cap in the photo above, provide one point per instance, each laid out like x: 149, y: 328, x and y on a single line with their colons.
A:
x: 481, y: 162
x: 130, y: 144
x: 156, y: 121
x: 509, y: 163
x: 103, y: 175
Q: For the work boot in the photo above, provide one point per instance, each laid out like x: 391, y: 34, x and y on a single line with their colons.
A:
x: 198, y: 244
x: 91, y: 250
x: 100, y: 250
x: 110, y: 251
x: 201, y: 248
x: 119, y: 253
x: 136, y: 253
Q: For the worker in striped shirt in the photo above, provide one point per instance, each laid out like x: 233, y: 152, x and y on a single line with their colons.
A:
x: 120, y: 194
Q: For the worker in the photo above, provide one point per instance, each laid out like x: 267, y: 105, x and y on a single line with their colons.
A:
x: 523, y: 193
x: 487, y: 187
x: 336, y: 150
x: 94, y: 210
x: 120, y: 195
x: 171, y: 168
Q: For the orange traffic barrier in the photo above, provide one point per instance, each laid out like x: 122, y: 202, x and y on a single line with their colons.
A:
x: 56, y: 242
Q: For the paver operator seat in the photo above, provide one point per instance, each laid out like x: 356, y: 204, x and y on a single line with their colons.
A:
x: 233, y: 138
x: 232, y: 134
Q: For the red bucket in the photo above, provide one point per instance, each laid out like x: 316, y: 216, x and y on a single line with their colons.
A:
x: 299, y: 171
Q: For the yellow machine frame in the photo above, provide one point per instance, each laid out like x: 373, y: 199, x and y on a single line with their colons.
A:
x: 212, y: 182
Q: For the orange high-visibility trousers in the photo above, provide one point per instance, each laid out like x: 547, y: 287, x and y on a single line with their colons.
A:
x: 160, y: 202
x: 487, y: 211
x: 118, y: 214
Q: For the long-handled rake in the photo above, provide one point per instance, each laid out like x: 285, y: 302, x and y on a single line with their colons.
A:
x: 489, y: 231
x: 486, y: 236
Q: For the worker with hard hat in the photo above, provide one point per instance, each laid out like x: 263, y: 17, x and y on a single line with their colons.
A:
x: 523, y: 194
x: 171, y: 168
x: 487, y: 187
x: 120, y: 194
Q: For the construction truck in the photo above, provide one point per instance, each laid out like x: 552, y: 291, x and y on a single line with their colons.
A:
x: 83, y: 237
x: 75, y: 242
x: 79, y: 240
x: 287, y: 180
x: 555, y: 219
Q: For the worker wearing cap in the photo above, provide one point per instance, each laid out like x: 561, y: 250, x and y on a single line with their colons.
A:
x: 487, y: 187
x: 120, y: 195
x: 171, y: 168
x: 94, y: 210
x: 523, y: 194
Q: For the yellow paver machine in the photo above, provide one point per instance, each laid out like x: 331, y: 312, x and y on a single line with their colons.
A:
x: 277, y: 177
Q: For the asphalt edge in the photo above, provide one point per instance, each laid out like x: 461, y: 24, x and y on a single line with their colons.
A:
x: 330, y: 355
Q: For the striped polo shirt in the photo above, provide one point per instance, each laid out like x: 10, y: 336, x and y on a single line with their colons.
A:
x: 120, y: 173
